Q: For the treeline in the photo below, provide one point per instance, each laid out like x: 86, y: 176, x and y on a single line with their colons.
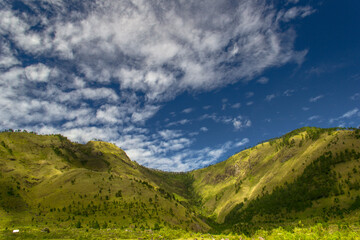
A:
x: 17, y: 130
x: 312, y: 133
x: 10, y: 130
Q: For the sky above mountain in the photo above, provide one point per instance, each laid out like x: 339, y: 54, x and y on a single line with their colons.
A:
x: 178, y: 85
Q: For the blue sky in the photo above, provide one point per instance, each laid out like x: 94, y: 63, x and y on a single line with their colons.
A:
x: 178, y: 85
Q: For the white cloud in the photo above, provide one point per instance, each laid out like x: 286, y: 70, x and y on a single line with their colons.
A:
x: 98, y: 93
x: 216, y: 153
x: 169, y: 134
x: 249, y: 103
x: 249, y: 94
x: 242, y: 142
x: 204, y: 129
x: 239, y: 123
x: 236, y: 105
x: 295, y: 12
x: 288, y: 92
x: 108, y: 66
x: 293, y: 1
x: 186, y: 38
x: 305, y: 108
x: 193, y: 134
x: 355, y: 96
x: 350, y: 113
x: 270, y: 97
x: 314, y: 117
x: 7, y: 58
x: 37, y: 73
x: 187, y: 110
x: 315, y: 99
x: 110, y: 114
x: 180, y: 122
x: 141, y: 115
x: 168, y: 151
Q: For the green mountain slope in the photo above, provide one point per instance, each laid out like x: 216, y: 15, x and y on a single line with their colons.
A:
x: 298, y: 176
x: 50, y: 179
x: 309, y: 174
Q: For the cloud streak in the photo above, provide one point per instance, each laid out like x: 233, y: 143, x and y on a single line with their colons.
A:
x: 315, y: 99
x: 347, y: 115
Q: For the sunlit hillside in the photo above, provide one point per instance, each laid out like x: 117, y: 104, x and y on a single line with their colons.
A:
x: 309, y: 175
x: 50, y: 180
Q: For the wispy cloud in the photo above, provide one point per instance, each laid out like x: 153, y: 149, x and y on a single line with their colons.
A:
x: 315, y: 99
x: 295, y: 12
x: 305, y: 108
x: 180, y: 122
x: 169, y: 134
x: 347, y: 115
x: 236, y: 105
x: 249, y: 94
x: 288, y: 92
x: 242, y: 142
x: 350, y: 113
x: 314, y: 117
x: 187, y: 110
x: 238, y: 122
x: 356, y: 96
x: 270, y: 97
x: 324, y: 68
x: 263, y: 80
x: 204, y: 129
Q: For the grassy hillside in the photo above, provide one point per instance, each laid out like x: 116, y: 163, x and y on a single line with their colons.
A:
x: 309, y: 174
x: 258, y: 175
x: 50, y: 180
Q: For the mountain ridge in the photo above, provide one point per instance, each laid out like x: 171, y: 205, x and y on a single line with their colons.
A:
x: 96, y: 183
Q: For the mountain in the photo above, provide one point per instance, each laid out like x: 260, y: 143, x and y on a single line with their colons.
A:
x: 309, y: 174
x: 50, y: 179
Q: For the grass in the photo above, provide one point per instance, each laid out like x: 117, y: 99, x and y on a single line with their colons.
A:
x: 81, y: 182
x: 315, y: 232
x: 48, y: 181
x: 266, y: 166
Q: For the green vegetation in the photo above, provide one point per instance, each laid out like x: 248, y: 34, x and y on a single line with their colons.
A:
x: 82, y: 191
x: 318, y: 181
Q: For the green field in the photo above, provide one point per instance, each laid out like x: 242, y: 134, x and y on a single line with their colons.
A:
x: 318, y: 231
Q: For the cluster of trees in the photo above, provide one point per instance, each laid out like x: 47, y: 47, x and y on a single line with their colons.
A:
x: 312, y: 133
x: 319, y: 180
x: 123, y: 212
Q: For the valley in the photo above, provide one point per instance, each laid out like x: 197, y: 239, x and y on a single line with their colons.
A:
x: 293, y: 183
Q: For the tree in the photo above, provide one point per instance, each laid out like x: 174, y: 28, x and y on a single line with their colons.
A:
x: 78, y: 224
x: 118, y: 193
